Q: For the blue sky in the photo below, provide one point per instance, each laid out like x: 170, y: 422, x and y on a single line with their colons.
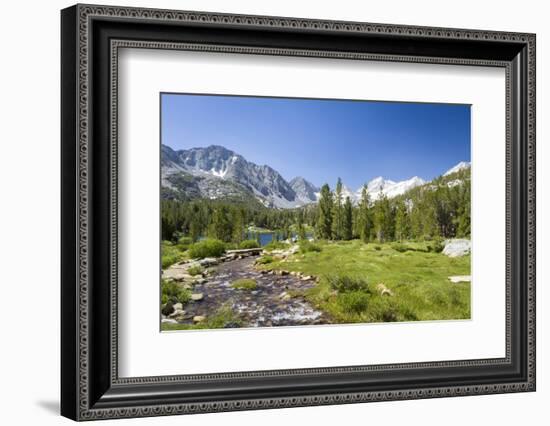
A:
x: 322, y: 140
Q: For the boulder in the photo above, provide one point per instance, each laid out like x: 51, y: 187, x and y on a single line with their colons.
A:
x: 457, y: 247
x: 455, y: 279
x: 195, y: 297
x: 199, y: 318
x: 383, y: 290
x: 177, y: 314
x: 209, y: 261
x: 285, y: 296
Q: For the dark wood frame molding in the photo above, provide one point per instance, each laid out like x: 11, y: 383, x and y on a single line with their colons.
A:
x: 91, y: 37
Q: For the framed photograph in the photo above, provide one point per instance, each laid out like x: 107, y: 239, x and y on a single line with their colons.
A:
x: 263, y: 212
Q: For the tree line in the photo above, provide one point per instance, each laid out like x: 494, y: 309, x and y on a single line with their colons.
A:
x: 440, y: 208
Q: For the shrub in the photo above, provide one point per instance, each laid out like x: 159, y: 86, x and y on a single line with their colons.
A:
x: 276, y: 245
x: 307, y: 246
x: 169, y: 254
x: 249, y: 244
x: 389, y: 316
x: 264, y: 260
x: 401, y: 248
x: 346, y: 283
x: 438, y: 245
x: 244, y: 284
x: 174, y: 293
x: 184, y: 243
x: 354, y: 302
x: 195, y: 270
x: 207, y: 248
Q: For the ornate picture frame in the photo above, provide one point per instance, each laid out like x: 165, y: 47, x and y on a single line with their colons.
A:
x: 91, y: 37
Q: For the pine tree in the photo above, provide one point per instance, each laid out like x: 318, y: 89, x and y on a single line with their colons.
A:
x: 338, y: 219
x: 429, y: 212
x: 363, y: 216
x: 416, y: 220
x: 220, y: 227
x: 300, y: 225
x: 324, y: 221
x: 195, y: 228
x: 402, y: 225
x: 238, y: 225
x: 348, y: 220
x: 463, y: 227
x: 383, y: 219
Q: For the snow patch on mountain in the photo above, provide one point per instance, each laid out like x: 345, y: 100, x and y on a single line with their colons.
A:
x: 219, y: 172
x: 460, y: 166
x: 379, y: 187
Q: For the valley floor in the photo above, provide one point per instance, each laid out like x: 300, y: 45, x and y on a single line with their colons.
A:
x: 325, y: 283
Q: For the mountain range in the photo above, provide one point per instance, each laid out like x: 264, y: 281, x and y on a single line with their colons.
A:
x: 216, y: 172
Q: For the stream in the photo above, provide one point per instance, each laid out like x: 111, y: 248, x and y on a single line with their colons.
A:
x: 268, y: 305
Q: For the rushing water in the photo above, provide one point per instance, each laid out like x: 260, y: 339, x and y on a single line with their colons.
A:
x: 268, y: 305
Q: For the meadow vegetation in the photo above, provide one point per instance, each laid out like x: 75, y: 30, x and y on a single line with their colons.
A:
x: 350, y: 272
x: 244, y: 284
x: 223, y: 318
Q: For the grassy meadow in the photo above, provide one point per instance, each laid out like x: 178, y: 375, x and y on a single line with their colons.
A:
x: 356, y: 282
x: 350, y: 273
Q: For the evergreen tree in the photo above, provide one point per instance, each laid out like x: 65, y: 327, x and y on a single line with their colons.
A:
x: 238, y: 225
x: 220, y: 227
x: 463, y: 220
x: 416, y: 220
x: 301, y: 229
x: 338, y: 211
x: 383, y: 219
x: 402, y: 225
x: 348, y: 220
x: 195, y: 228
x: 324, y: 221
x: 429, y: 211
x: 363, y: 216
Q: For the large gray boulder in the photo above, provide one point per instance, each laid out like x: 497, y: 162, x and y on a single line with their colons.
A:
x: 457, y: 247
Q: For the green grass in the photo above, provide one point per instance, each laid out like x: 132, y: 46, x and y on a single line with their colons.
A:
x: 174, y: 293
x: 245, y: 284
x: 417, y: 277
x: 276, y: 245
x: 249, y: 244
x: 206, y: 248
x: 223, y: 318
x: 195, y: 270
x: 184, y: 243
x: 307, y: 246
x: 170, y: 254
x: 264, y: 260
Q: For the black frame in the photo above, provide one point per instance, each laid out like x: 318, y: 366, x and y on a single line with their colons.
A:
x: 91, y: 37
